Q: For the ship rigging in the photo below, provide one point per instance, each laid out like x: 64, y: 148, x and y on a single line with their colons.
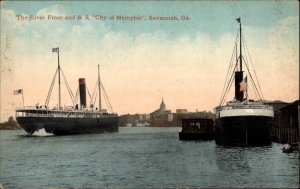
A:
x: 70, y: 120
x: 242, y: 121
x: 99, y: 90
x: 243, y: 90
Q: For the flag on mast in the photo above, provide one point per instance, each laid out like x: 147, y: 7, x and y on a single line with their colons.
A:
x: 17, y: 92
x: 55, y: 49
x: 243, y: 85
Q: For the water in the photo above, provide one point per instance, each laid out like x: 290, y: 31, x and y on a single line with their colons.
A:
x: 139, y: 158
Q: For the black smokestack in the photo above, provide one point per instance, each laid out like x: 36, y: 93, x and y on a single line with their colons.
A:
x: 238, y: 78
x: 82, y: 92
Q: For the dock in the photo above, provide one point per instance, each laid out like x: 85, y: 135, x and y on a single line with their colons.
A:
x: 286, y: 123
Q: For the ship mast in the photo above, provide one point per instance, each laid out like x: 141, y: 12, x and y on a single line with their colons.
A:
x: 99, y: 87
x: 239, y: 95
x: 58, y: 69
x: 59, y: 93
x: 241, y: 58
x: 240, y: 83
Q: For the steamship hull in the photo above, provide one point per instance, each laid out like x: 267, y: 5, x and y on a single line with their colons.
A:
x: 67, y: 125
x: 243, y: 130
x: 244, y: 126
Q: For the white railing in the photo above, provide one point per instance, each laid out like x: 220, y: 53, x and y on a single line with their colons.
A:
x: 246, y: 106
x: 58, y: 113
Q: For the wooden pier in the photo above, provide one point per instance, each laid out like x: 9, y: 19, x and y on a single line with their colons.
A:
x: 285, y: 135
x: 286, y: 124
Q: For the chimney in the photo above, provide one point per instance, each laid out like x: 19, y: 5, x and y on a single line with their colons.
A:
x: 82, y: 92
x: 238, y: 79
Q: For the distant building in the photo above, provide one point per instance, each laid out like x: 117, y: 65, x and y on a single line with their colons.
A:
x: 164, y: 118
x: 144, y: 117
x: 181, y: 111
x: 136, y: 120
x: 161, y: 117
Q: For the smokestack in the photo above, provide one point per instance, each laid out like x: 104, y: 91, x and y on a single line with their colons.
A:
x: 82, y: 92
x: 238, y: 78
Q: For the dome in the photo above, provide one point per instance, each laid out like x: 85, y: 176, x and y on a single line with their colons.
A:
x: 162, y: 105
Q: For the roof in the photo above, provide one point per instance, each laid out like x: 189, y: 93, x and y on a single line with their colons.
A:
x: 297, y: 102
x: 275, y: 102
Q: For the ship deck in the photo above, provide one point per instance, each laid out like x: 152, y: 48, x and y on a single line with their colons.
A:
x: 66, y: 113
x: 245, y: 108
x: 244, y: 105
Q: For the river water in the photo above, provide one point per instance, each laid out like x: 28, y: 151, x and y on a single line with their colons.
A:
x: 139, y: 158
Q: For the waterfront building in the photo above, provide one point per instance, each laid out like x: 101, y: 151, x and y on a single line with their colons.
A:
x: 276, y: 104
x: 161, y: 117
x: 136, y: 120
x: 181, y: 111
x: 286, y: 123
x: 165, y: 118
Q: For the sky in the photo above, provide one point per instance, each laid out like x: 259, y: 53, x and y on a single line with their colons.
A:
x: 184, y: 61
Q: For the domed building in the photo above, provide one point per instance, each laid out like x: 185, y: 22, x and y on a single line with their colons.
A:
x: 161, y: 117
x: 162, y: 105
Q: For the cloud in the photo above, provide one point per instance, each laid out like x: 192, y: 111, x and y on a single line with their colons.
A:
x: 55, y: 10
x: 10, y: 23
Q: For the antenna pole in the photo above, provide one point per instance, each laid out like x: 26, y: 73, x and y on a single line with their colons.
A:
x: 99, y: 88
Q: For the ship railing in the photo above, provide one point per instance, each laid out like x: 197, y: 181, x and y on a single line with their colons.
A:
x: 57, y: 113
x: 267, y: 107
x: 26, y: 108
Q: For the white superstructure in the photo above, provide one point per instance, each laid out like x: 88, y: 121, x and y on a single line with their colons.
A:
x: 245, y: 108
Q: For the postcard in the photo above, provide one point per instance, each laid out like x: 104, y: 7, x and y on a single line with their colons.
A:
x: 140, y: 73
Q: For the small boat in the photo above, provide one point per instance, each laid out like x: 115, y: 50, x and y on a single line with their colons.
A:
x: 287, y: 148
